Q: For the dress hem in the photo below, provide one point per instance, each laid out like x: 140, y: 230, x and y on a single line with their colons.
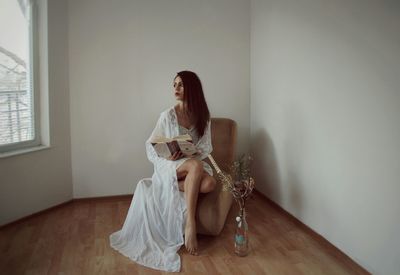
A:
x: 175, y: 268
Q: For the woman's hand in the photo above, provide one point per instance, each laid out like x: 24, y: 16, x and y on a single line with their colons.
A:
x: 176, y: 156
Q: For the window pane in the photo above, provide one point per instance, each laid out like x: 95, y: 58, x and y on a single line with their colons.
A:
x: 16, y: 109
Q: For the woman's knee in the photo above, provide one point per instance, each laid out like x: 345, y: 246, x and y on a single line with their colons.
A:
x: 195, y: 165
x: 208, y: 184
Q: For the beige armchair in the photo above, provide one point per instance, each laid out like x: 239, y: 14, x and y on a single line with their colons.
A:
x: 213, y: 207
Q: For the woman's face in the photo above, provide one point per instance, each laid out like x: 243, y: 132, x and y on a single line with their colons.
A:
x: 178, y: 88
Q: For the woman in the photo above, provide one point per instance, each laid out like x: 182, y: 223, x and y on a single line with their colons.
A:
x: 163, y: 208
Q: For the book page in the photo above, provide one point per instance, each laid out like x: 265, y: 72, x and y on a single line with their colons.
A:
x: 161, y: 139
x: 187, y: 148
x: 162, y: 150
x: 185, y: 137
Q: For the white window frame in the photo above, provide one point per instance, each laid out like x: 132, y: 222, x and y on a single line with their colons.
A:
x: 38, y: 55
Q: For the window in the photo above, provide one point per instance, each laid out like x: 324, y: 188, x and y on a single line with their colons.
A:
x: 19, y: 110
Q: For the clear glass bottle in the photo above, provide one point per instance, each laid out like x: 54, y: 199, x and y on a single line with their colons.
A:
x: 241, y: 234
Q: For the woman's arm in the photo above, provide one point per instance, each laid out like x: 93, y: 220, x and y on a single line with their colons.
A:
x: 158, y: 131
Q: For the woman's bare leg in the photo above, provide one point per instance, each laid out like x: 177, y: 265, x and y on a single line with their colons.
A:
x: 194, y: 173
x: 207, y: 184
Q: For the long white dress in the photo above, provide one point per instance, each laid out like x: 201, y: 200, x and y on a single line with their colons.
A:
x: 153, y: 229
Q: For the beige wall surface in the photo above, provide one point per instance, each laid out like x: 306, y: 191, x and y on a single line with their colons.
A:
x: 123, y: 57
x: 325, y: 108
x: 38, y: 180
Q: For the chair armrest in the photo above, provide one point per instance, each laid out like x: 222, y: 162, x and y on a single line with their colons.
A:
x: 212, y: 210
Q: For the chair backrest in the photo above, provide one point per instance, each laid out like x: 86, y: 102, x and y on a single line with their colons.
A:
x: 223, y: 138
x: 212, y: 208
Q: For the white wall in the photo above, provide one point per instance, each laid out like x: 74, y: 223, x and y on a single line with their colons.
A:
x: 35, y: 181
x: 325, y: 108
x: 123, y: 58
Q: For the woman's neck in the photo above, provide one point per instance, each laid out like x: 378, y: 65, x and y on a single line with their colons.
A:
x: 182, y: 108
x: 184, y: 118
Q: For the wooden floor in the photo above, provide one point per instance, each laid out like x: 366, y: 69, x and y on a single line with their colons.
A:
x: 73, y: 239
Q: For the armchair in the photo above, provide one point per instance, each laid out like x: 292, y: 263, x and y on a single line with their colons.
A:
x: 213, y: 207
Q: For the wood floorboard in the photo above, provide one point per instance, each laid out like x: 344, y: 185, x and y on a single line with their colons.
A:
x: 74, y: 239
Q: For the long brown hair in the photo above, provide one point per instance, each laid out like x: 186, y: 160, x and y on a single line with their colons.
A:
x: 193, y: 98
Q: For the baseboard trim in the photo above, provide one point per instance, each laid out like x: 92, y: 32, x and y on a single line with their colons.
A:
x: 337, y: 253
x: 77, y: 200
x: 104, y: 198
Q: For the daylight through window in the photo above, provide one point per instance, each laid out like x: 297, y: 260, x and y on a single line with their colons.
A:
x: 16, y: 85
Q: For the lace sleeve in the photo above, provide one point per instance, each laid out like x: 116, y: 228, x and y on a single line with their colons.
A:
x: 204, y: 145
x: 158, y: 131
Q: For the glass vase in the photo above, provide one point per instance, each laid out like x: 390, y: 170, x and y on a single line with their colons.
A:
x: 241, y: 234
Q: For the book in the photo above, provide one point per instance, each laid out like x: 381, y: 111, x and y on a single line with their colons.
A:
x: 166, y: 147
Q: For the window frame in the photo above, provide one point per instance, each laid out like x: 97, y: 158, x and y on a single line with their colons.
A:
x: 34, y: 75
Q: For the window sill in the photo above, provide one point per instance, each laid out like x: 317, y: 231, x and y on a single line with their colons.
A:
x: 23, y: 151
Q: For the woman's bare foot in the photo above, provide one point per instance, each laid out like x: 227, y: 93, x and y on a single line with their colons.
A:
x: 191, y: 238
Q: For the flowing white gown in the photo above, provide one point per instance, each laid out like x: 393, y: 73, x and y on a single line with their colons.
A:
x: 153, y: 229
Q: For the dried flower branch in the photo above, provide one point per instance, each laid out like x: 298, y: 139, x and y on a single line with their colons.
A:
x: 240, y: 169
x: 240, y: 184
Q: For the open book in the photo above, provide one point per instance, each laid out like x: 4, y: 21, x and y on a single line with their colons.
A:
x: 166, y: 147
